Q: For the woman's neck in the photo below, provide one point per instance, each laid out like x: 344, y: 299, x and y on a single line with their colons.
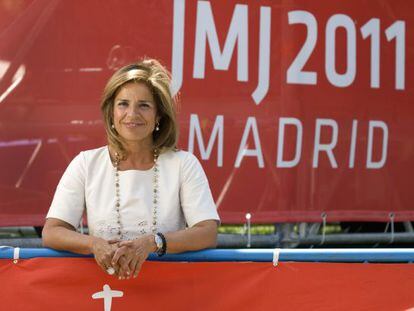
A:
x: 139, y: 156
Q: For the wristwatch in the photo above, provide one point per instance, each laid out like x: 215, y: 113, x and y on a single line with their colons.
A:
x: 161, y: 243
x: 158, y: 242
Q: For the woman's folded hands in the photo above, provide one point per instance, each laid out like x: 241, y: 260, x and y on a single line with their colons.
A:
x: 123, y: 258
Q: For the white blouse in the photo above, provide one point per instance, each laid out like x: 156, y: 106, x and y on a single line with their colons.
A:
x: 184, y: 196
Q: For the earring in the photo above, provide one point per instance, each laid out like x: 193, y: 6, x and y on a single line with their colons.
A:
x: 112, y: 126
x: 157, y: 127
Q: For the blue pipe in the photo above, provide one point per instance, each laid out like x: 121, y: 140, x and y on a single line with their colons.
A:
x: 256, y: 255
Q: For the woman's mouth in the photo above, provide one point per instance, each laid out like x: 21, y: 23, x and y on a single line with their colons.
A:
x: 133, y: 124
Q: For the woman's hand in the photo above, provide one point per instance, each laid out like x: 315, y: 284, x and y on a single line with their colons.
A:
x: 131, y: 255
x: 103, y: 252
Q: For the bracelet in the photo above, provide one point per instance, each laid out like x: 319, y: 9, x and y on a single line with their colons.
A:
x: 163, y: 249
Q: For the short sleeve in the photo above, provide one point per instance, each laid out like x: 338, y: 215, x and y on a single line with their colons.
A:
x: 69, y: 200
x: 195, y: 194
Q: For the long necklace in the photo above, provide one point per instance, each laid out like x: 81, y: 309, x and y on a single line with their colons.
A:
x: 154, y: 195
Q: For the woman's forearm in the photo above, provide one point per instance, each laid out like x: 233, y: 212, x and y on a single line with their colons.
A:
x: 62, y: 238
x: 200, y: 236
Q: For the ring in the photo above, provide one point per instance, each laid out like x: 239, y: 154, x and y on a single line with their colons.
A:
x: 110, y: 271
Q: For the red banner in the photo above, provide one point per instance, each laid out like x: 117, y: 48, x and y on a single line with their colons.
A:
x: 294, y: 107
x: 78, y: 284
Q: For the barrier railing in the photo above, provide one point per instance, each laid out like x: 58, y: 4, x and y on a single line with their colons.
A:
x: 256, y: 255
x: 221, y: 279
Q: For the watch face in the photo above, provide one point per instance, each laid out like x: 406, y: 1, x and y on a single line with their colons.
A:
x: 158, y: 241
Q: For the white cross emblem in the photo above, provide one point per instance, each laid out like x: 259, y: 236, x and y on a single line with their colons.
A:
x: 107, y: 294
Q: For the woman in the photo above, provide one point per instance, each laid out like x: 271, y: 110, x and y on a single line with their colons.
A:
x: 139, y: 192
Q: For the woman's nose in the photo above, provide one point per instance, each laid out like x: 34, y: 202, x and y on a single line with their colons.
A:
x: 133, y: 110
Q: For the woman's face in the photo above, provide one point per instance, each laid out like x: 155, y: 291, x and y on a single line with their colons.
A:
x: 135, y: 113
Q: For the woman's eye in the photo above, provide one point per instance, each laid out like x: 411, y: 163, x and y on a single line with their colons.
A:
x: 122, y: 104
x: 144, y: 105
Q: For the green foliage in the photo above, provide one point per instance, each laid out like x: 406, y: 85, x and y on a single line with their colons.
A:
x: 242, y: 229
x: 270, y: 229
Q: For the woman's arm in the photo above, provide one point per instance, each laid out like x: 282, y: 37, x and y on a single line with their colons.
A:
x: 60, y: 235
x: 201, y: 235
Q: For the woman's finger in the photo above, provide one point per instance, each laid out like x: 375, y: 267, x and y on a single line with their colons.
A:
x: 105, y: 266
x: 118, y: 253
x: 126, y: 243
x: 113, y: 241
x: 133, y: 263
x: 138, y: 267
x: 101, y: 265
x: 124, y: 268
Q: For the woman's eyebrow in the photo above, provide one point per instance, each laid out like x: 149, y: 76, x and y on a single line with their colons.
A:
x: 139, y: 101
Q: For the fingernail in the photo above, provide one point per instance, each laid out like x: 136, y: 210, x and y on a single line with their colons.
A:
x: 119, y: 277
x: 128, y: 272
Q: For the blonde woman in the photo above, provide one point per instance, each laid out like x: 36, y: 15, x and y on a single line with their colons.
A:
x: 140, y: 193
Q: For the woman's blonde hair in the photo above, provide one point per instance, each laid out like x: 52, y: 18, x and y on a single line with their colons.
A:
x: 158, y: 80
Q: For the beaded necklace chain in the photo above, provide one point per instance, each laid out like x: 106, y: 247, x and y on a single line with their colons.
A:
x: 154, y: 199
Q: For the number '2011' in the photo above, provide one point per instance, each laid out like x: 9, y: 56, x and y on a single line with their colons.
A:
x: 296, y: 74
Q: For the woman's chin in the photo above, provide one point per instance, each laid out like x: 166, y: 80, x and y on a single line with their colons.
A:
x: 129, y: 139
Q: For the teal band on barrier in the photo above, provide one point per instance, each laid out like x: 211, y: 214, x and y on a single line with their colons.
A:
x: 256, y: 255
